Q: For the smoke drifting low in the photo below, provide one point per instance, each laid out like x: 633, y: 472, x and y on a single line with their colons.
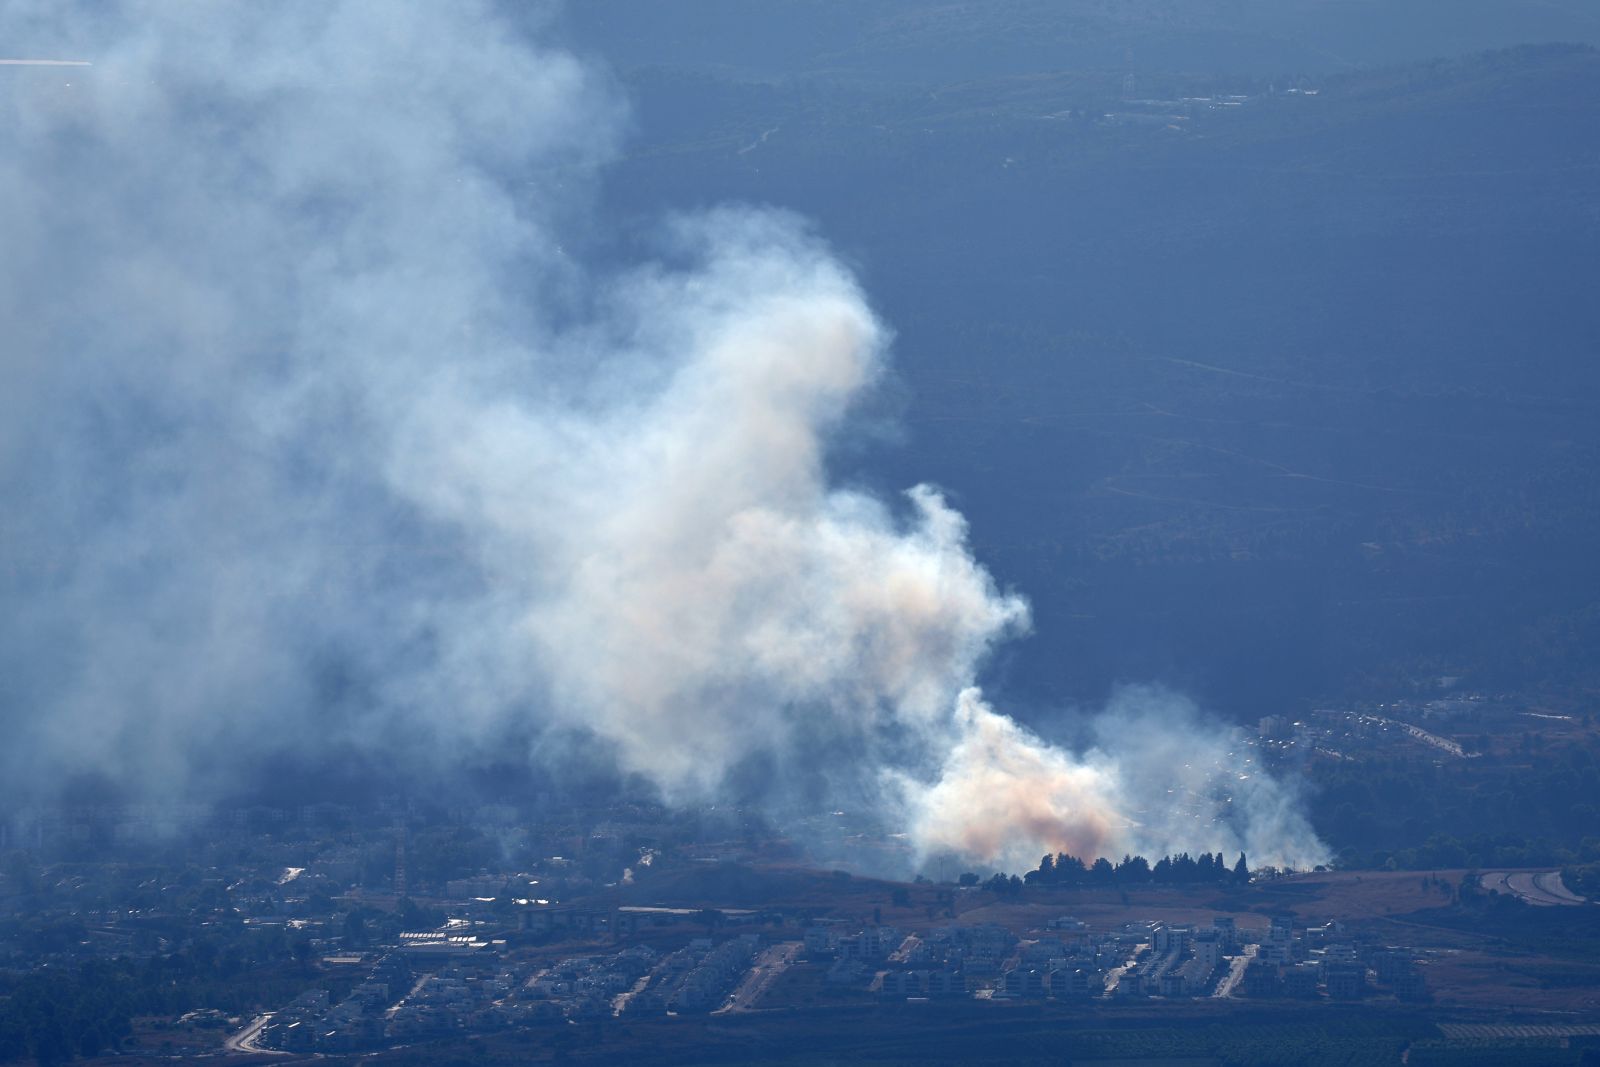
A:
x: 320, y: 432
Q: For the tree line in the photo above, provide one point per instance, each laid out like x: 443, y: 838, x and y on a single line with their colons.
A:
x: 1064, y: 869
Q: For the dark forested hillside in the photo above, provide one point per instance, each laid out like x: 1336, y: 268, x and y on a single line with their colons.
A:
x: 1265, y: 387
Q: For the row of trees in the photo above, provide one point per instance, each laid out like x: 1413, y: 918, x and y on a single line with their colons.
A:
x: 1064, y: 869
x: 1181, y: 869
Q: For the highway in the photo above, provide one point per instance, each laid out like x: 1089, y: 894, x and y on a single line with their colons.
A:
x: 1542, y: 889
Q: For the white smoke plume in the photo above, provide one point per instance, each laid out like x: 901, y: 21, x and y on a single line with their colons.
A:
x: 319, y: 430
x: 1158, y: 779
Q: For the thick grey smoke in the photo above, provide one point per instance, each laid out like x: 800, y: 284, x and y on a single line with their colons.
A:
x: 1159, y: 778
x: 318, y: 430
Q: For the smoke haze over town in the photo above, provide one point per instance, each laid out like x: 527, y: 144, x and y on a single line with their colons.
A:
x: 324, y: 431
x: 625, y: 531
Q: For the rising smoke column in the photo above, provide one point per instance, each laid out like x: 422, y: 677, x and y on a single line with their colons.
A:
x: 321, y: 432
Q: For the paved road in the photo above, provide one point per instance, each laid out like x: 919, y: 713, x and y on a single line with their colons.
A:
x: 1443, y: 744
x: 768, y: 966
x: 245, y: 1040
x: 619, y: 1003
x: 1235, y: 972
x: 1550, y: 882
x: 416, y: 987
x: 1114, y: 976
x: 1543, y: 889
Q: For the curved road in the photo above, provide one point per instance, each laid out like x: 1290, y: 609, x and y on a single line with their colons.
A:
x: 1551, y: 883
x: 245, y: 1040
x: 1543, y: 889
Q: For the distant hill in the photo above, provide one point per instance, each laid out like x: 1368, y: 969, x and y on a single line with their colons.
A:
x: 1271, y: 389
x: 931, y: 41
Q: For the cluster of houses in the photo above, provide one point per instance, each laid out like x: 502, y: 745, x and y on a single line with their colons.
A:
x: 637, y: 980
x: 471, y: 988
x: 855, y: 957
x: 1137, y: 960
x: 1174, y: 961
x: 474, y: 987
x: 479, y: 992
x: 984, y: 960
x: 1320, y: 960
x: 587, y: 987
x: 459, y: 997
x: 697, y: 978
x: 311, y: 1023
